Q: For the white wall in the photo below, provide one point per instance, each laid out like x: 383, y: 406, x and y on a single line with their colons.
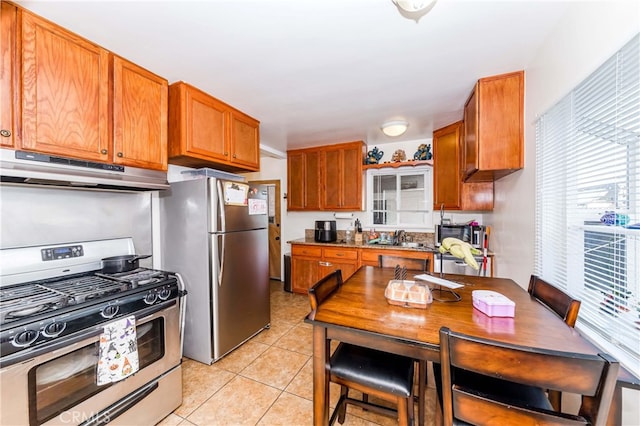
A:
x: 585, y: 37
x: 588, y: 34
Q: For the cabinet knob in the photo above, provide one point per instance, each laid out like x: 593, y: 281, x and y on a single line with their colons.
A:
x: 119, y: 154
x: 5, y: 133
x: 234, y: 156
x: 104, y: 152
x: 226, y: 153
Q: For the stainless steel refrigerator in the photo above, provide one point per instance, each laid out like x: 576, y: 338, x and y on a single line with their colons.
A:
x: 214, y: 234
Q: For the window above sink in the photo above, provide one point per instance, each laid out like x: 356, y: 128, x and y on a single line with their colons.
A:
x: 400, y: 198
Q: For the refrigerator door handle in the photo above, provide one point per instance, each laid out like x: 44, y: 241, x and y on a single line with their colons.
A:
x: 222, y: 213
x: 221, y: 238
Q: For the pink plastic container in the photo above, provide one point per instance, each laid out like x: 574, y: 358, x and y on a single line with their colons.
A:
x: 493, y: 304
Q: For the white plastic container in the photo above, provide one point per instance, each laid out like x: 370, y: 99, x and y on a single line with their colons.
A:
x: 493, y: 304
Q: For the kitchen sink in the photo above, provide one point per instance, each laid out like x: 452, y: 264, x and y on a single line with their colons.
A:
x: 411, y: 244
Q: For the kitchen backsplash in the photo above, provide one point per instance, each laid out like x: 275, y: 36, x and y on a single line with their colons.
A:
x: 426, y: 238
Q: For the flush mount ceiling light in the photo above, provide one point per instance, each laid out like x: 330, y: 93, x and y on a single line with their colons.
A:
x: 414, y: 9
x: 394, y: 128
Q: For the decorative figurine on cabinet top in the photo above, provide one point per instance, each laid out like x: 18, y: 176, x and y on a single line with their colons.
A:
x: 374, y: 156
x: 423, y: 152
x: 398, y: 156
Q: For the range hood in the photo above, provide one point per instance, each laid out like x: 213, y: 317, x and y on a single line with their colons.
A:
x: 24, y: 168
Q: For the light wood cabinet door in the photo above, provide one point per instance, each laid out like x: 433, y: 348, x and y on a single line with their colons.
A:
x: 9, y: 99
x: 206, y: 132
x: 352, y: 159
x: 446, y: 167
x: 347, y: 269
x: 245, y: 141
x: 494, y: 128
x: 295, y: 180
x: 332, y: 167
x: 448, y: 187
x: 303, y: 180
x: 304, y: 274
x: 197, y: 127
x: 305, y: 266
x: 342, y: 176
x: 65, y: 92
x: 334, y: 258
x: 139, y: 116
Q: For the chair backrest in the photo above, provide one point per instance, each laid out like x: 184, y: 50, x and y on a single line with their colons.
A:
x: 324, y: 288
x: 557, y: 300
x: 592, y: 376
x: 385, y: 261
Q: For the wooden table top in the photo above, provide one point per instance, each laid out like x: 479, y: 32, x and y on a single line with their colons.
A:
x: 360, y: 305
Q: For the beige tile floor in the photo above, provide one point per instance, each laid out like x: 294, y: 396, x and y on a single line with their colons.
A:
x: 266, y: 381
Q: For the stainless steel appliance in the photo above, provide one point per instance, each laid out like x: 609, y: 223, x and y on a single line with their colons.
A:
x: 55, y: 305
x: 325, y: 231
x: 23, y: 167
x: 472, y: 234
x: 214, y: 232
x: 453, y: 265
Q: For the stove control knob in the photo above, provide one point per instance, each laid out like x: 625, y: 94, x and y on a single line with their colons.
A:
x: 110, y: 311
x: 164, y: 293
x: 54, y: 329
x: 25, y: 338
x: 151, y: 298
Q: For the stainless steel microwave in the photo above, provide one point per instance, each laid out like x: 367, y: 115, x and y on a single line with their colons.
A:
x: 472, y: 234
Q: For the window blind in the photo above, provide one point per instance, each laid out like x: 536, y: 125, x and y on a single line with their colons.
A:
x: 588, y: 201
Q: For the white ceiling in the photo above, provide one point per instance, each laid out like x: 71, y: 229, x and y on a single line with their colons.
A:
x: 320, y: 71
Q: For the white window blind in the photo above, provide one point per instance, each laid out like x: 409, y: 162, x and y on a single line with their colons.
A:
x: 588, y: 198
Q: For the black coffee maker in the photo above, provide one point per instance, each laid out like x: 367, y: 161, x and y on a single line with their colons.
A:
x: 325, y: 231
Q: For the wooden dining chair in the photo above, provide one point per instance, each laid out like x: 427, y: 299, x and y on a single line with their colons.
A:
x: 372, y: 372
x: 555, y: 299
x: 385, y: 261
x: 486, y: 382
x: 565, y: 306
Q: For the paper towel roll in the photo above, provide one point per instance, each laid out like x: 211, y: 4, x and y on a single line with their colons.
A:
x: 343, y: 215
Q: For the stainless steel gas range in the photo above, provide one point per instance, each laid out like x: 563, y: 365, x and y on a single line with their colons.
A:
x: 78, y: 346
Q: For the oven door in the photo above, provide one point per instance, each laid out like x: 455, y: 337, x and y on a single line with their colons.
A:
x: 59, y: 387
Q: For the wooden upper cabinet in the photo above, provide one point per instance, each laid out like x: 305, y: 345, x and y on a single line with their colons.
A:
x: 197, y: 125
x: 448, y: 188
x: 341, y: 172
x: 244, y: 140
x: 206, y: 132
x: 494, y: 128
x: 303, y: 180
x: 65, y: 92
x: 139, y: 116
x: 326, y: 177
x: 9, y: 61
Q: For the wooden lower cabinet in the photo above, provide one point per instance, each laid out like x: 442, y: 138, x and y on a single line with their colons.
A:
x: 310, y: 263
x: 370, y: 256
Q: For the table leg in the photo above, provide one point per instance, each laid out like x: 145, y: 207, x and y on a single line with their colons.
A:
x: 422, y: 384
x: 320, y: 378
x: 615, y: 411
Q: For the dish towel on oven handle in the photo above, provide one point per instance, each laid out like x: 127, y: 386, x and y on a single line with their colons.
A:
x: 118, y: 356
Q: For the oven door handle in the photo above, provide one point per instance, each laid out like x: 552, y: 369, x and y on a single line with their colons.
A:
x: 120, y: 407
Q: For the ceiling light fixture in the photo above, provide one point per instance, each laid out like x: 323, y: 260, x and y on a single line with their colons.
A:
x: 394, y: 128
x: 414, y: 9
